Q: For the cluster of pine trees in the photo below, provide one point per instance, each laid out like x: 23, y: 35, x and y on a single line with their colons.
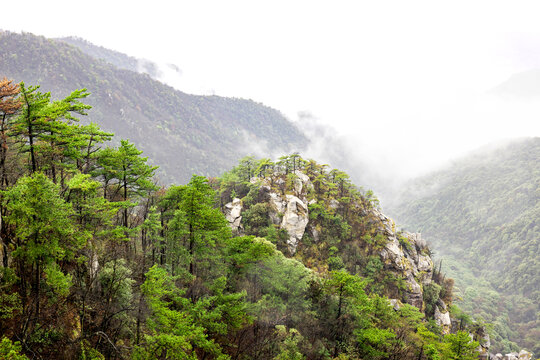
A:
x: 97, y: 262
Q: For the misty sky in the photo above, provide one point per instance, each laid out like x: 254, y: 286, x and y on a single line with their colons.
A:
x: 405, y: 83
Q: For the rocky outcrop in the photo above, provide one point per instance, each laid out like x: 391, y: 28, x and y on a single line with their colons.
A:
x: 442, y: 318
x: 291, y: 214
x: 294, y: 221
x: 404, y: 254
x: 288, y: 211
x: 233, y: 215
x: 522, y: 355
x: 525, y: 355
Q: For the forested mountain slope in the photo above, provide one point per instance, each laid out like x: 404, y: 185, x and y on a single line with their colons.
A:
x: 184, y: 133
x: 281, y: 259
x: 119, y: 60
x: 482, y: 218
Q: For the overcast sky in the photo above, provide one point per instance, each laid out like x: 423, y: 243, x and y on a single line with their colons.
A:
x: 404, y: 82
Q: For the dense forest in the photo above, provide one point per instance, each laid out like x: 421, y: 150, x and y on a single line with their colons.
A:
x: 482, y: 217
x: 184, y: 134
x: 281, y: 259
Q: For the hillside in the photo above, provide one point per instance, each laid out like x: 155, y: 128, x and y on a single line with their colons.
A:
x: 119, y: 60
x: 274, y: 260
x: 481, y: 216
x: 185, y: 134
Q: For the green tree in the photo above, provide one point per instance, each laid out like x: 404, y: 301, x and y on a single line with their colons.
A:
x: 288, y: 346
x: 45, y: 237
x: 174, y: 330
x: 126, y: 173
x: 205, y: 226
x: 11, y: 350
x: 40, y: 124
x: 461, y: 346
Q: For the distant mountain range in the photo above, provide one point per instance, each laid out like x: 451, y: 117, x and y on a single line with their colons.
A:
x: 481, y: 215
x: 182, y: 133
x: 121, y: 61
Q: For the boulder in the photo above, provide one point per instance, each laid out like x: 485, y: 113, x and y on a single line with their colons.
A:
x: 294, y: 221
x: 232, y: 214
x: 414, y: 295
x: 443, y: 320
x: 525, y: 355
x: 301, y: 182
x: 392, y: 253
x: 396, y: 304
x: 441, y: 305
x: 419, y: 243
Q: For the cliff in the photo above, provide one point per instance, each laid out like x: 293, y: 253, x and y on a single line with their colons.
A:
x: 321, y: 219
x: 294, y: 203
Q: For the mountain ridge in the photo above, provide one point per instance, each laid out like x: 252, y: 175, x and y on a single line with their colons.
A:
x: 481, y: 216
x: 199, y: 133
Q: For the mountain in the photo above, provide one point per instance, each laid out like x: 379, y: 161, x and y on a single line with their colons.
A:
x: 282, y: 259
x: 119, y: 60
x: 183, y: 133
x: 481, y: 216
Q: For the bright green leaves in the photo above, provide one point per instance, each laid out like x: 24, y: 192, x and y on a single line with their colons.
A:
x: 42, y: 220
x: 11, y: 350
x: 244, y: 251
x: 45, y: 235
x: 48, y: 139
x: 58, y: 282
x: 124, y: 171
x: 180, y: 327
x: 10, y: 300
x: 205, y: 227
x: 461, y: 347
x: 288, y: 345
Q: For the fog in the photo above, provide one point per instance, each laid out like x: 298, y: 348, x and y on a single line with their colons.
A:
x: 393, y: 90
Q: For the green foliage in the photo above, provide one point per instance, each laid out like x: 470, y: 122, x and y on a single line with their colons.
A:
x: 461, y: 347
x: 431, y: 295
x: 283, y: 287
x: 131, y: 271
x: 89, y: 353
x: 256, y: 219
x: 178, y: 326
x: 195, y: 129
x: 10, y: 300
x: 41, y: 218
x: 486, y: 207
x: 58, y: 282
x: 11, y: 350
x: 288, y: 345
x: 116, y: 282
x: 244, y: 251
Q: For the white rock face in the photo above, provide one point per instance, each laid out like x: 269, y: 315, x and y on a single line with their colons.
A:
x: 233, y: 215
x: 511, y: 356
x: 301, y: 182
x: 294, y: 221
x: 396, y: 304
x: 393, y: 253
x: 525, y: 355
x: 443, y: 320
